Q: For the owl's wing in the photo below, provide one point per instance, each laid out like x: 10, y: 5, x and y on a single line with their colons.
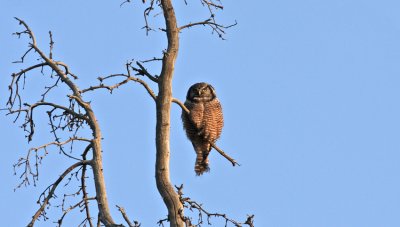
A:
x: 195, y: 117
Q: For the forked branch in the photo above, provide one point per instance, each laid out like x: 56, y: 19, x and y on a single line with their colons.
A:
x: 211, y: 22
x: 126, y: 78
x: 217, y: 28
x: 204, y: 216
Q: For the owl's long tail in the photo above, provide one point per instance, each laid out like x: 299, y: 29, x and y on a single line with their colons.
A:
x: 201, y: 165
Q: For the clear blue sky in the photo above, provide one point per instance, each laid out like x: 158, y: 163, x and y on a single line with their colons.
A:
x: 310, y: 91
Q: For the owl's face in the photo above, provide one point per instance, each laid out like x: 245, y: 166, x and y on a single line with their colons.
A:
x: 201, y: 92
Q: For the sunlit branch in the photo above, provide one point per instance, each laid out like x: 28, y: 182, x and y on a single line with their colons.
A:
x: 234, y: 163
x: 184, y: 108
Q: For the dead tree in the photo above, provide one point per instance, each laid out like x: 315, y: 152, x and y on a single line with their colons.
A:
x: 78, y: 113
x: 72, y: 118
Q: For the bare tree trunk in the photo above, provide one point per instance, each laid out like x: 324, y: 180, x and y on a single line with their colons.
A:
x: 170, y: 197
x: 98, y: 175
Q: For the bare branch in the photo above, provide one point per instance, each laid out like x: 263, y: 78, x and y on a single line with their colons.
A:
x: 29, y: 115
x: 146, y: 86
x: 28, y: 31
x: 23, y: 71
x: 126, y: 1
x: 250, y: 220
x: 83, y: 186
x: 195, y: 206
x: 51, y: 45
x: 125, y: 216
x: 234, y: 163
x: 67, y: 110
x: 54, y: 65
x: 128, y: 77
x: 153, y: 59
x: 143, y: 71
x: 14, y: 92
x: 216, y: 27
x: 108, y: 87
x: 59, y: 143
x: 26, y: 53
x: 53, y: 188
x: 79, y: 204
x: 67, y: 71
x: 184, y: 108
x: 146, y: 14
x: 117, y: 85
x: 50, y: 88
x: 211, y: 22
x: 161, y: 222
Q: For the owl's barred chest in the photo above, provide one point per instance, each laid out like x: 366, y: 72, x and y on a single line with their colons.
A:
x: 200, y: 110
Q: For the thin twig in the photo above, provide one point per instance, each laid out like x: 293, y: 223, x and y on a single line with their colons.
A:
x: 51, y: 45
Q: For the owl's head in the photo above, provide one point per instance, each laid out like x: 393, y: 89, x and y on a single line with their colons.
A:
x: 201, y: 92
